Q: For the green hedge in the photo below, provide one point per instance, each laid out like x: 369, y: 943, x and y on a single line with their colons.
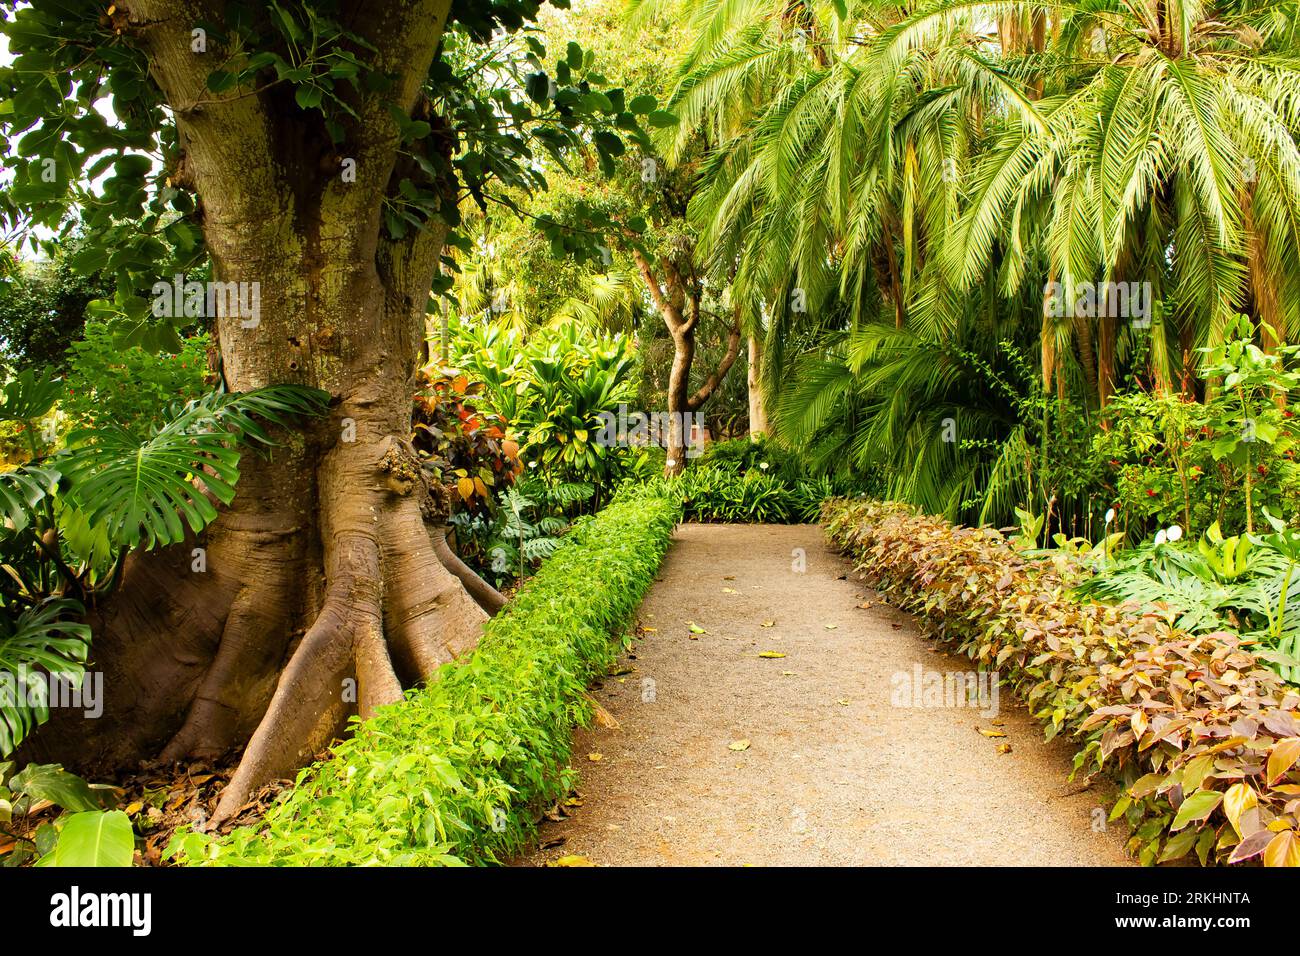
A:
x: 458, y: 771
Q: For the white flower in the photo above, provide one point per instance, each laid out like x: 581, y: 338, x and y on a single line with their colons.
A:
x: 763, y: 465
x: 1174, y: 534
x: 671, y: 462
x: 1110, y: 516
x: 532, y: 464
x: 1160, y: 536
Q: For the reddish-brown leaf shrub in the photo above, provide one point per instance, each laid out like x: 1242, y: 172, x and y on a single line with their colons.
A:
x: 1203, y: 738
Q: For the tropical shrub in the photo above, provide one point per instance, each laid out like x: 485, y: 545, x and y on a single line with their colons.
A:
x: 460, y: 445
x: 751, y: 481
x: 131, y: 388
x: 521, y: 530
x: 1241, y: 584
x: 1203, y: 738
x: 458, y: 772
x: 552, y: 387
x: 1173, y: 460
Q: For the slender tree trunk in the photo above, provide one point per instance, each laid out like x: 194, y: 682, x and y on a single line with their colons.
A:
x: 757, y: 408
x: 319, y: 593
x: 1106, y: 334
x: 678, y: 302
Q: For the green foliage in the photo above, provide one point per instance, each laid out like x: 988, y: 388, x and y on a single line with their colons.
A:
x: 552, y: 386
x: 457, y: 772
x: 1219, y: 461
x: 1203, y: 737
x: 1240, y: 584
x: 93, y: 838
x: 460, y: 445
x: 42, y: 640
x: 84, y: 834
x: 130, y: 387
x: 748, y: 481
x: 43, y: 310
x: 143, y: 493
x: 523, y: 527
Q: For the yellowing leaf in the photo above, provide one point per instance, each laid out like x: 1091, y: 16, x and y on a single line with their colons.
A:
x: 695, y: 628
x: 480, y: 487
x: 738, y: 745
x: 1283, y: 758
x: 831, y: 627
x: 768, y: 624
x: 1239, y: 798
x: 771, y: 654
x: 573, y: 860
x: 730, y: 591
x: 466, y: 488
x: 990, y: 732
x: 1283, y: 850
x: 1004, y: 748
x: 595, y: 758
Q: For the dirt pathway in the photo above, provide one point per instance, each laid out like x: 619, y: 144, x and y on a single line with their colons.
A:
x: 834, y: 773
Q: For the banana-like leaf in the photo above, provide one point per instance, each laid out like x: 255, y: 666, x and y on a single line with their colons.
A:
x: 95, y: 838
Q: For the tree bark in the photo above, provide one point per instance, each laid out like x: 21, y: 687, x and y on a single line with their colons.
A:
x: 322, y: 595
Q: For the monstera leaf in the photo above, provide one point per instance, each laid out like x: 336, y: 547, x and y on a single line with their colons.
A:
x: 46, y: 638
x: 145, y: 493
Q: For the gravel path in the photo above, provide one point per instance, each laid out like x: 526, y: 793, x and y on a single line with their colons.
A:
x: 834, y: 772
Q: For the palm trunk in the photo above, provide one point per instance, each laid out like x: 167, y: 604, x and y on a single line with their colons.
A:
x: 757, y: 409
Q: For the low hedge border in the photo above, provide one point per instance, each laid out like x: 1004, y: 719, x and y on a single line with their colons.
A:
x: 1201, y: 736
x: 456, y: 773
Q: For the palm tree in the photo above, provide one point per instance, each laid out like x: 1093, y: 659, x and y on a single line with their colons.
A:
x: 1163, y: 151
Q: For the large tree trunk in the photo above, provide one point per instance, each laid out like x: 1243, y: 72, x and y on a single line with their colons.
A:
x: 322, y: 594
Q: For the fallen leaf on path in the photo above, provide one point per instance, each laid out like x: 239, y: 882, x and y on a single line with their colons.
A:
x: 831, y: 627
x: 788, y: 674
x: 843, y: 701
x: 770, y: 654
x: 649, y: 630
x: 552, y: 844
x: 695, y: 628
x: 573, y: 860
x: 595, y: 758
x: 728, y: 577
x: 738, y: 745
x: 896, y: 626
x: 602, y: 717
x: 768, y: 624
x: 865, y: 605
x: 1004, y: 748
x: 990, y: 733
x: 730, y: 591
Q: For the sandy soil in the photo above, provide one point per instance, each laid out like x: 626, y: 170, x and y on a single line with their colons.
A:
x: 834, y: 772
